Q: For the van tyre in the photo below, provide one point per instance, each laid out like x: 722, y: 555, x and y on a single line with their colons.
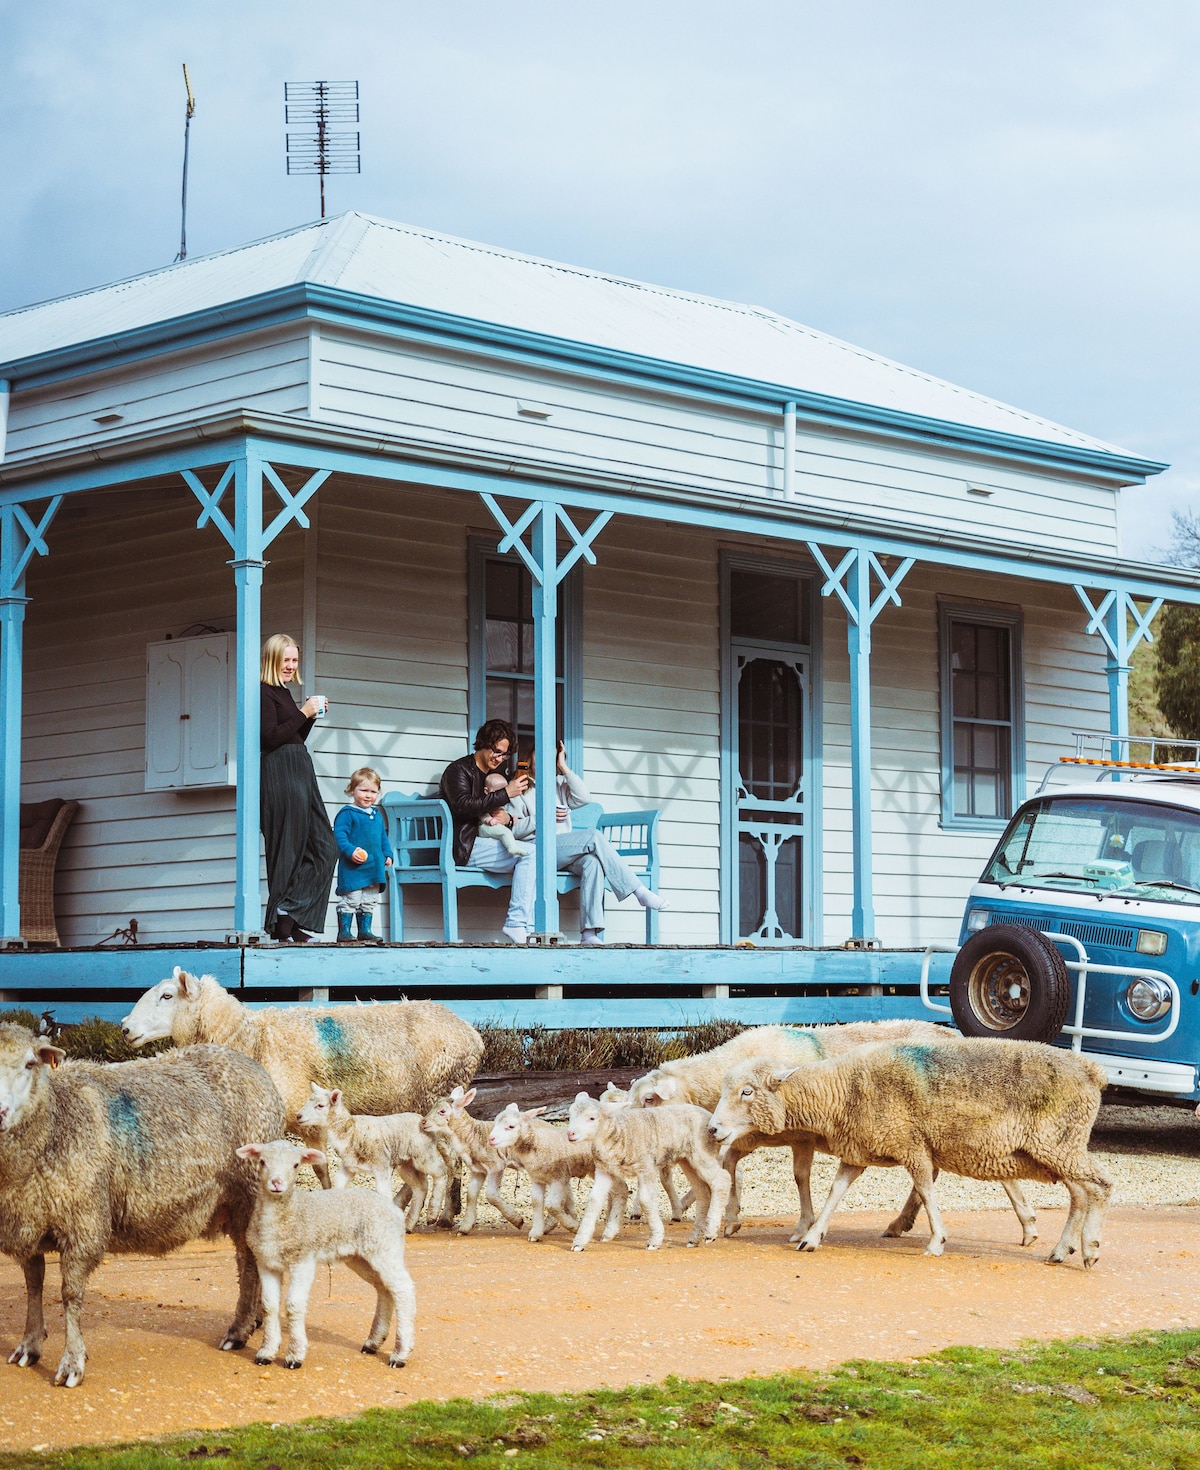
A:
x: 1010, y: 983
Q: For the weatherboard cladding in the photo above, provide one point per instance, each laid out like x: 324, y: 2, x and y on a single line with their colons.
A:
x: 392, y: 655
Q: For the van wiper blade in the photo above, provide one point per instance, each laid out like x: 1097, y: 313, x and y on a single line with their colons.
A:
x: 1163, y: 883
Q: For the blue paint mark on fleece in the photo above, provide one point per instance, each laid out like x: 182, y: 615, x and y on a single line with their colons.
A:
x: 336, y: 1044
x: 126, y: 1125
x: 924, y: 1059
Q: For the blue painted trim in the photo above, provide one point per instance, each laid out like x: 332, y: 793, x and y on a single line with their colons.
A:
x: 336, y: 307
x: 1003, y: 617
x: 748, y: 519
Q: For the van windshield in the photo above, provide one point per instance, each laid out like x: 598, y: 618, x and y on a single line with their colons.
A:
x: 1091, y: 844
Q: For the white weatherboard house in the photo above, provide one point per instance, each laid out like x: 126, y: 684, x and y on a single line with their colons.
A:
x: 827, y: 615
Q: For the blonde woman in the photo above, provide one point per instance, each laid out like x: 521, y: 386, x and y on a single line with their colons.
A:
x: 301, y: 851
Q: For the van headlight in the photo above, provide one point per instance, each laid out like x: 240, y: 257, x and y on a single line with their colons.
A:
x: 977, y: 919
x: 1150, y: 941
x: 1148, y: 999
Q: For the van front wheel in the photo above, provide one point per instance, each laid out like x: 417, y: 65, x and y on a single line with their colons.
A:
x: 1011, y: 983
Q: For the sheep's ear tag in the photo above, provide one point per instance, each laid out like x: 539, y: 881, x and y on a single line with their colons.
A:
x: 50, y: 1056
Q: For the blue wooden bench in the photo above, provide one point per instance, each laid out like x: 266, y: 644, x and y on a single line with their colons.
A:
x: 422, y: 835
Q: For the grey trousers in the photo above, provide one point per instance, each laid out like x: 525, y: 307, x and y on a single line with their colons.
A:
x: 594, y: 861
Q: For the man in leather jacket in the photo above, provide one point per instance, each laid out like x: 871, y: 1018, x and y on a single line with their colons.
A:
x: 462, y: 789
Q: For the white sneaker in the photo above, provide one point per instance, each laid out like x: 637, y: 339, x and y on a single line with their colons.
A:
x: 518, y: 936
x: 591, y: 937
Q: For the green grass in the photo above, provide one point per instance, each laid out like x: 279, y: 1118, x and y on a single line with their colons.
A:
x: 1119, y: 1402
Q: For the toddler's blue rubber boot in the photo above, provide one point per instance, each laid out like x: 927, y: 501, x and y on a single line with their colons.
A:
x: 345, y: 931
x: 365, y: 933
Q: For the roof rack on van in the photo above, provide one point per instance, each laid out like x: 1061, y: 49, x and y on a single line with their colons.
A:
x: 1118, y: 759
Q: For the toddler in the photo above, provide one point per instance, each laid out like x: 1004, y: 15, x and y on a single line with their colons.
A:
x: 366, y: 855
x: 503, y: 834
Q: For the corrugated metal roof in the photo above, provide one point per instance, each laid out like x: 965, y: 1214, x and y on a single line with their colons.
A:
x: 401, y: 263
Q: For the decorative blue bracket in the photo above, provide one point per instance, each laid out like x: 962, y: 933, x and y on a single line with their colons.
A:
x: 850, y: 582
x: 1110, y: 621
x: 248, y: 540
x: 22, y: 537
x: 541, y: 519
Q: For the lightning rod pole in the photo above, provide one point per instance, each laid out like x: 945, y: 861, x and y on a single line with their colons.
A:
x: 187, y: 128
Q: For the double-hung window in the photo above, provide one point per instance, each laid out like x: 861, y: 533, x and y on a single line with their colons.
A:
x: 983, y: 738
x: 500, y: 675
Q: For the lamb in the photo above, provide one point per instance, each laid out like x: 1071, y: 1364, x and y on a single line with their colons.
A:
x: 643, y: 1142
x: 549, y: 1159
x: 448, y: 1121
x: 981, y: 1108
x: 698, y: 1079
x: 621, y: 1098
x: 138, y: 1156
x: 293, y: 1230
x: 393, y: 1057
x: 376, y: 1146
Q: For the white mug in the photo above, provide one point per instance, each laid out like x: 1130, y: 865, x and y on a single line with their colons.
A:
x: 322, y: 704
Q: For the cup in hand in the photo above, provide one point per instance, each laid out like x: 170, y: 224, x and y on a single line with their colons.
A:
x: 322, y: 704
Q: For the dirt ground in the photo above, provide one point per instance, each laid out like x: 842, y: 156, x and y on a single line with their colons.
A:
x: 496, y: 1313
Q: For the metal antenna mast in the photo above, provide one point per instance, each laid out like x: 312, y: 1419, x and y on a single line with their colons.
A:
x: 187, y: 128
x: 322, y: 147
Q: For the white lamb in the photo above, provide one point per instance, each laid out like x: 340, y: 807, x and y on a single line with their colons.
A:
x: 448, y: 1122
x: 642, y: 1142
x: 376, y: 1146
x: 550, y: 1160
x: 293, y: 1230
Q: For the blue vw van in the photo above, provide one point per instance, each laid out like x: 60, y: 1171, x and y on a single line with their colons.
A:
x: 1084, y: 928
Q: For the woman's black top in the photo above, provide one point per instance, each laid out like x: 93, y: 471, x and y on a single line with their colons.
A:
x: 283, y: 722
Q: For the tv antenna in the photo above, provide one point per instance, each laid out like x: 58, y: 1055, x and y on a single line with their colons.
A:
x: 324, y: 146
x: 187, y: 128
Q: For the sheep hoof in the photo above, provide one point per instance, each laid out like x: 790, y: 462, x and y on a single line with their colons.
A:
x: 397, y: 1361
x: 577, y: 1248
x: 231, y: 1344
x: 732, y: 1227
x: 24, y: 1357
x: 808, y: 1244
x: 264, y: 1360
x: 369, y: 1347
x: 293, y: 1362
x: 1029, y: 1238
x: 935, y: 1248
x: 1056, y: 1258
x: 653, y: 1245
x: 71, y: 1378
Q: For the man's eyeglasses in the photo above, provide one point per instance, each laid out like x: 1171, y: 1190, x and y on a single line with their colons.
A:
x: 500, y: 754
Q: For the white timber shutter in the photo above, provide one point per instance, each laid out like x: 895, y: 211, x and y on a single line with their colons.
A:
x: 189, y: 705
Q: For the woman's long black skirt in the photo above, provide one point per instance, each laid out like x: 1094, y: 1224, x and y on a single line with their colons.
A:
x: 301, y: 851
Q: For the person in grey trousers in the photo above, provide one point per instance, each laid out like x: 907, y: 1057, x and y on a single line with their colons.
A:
x: 583, y: 851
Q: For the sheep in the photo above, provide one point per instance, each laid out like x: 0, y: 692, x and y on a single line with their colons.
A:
x: 136, y: 1156
x: 642, y: 1142
x: 620, y: 1097
x: 981, y: 1108
x: 293, y: 1230
x: 549, y: 1159
x: 376, y: 1146
x: 698, y: 1079
x: 393, y: 1057
x: 448, y: 1121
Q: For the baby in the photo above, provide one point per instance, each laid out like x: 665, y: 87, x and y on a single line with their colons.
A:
x: 489, y: 827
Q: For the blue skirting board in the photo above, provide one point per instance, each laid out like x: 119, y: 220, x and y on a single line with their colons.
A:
x: 494, y: 982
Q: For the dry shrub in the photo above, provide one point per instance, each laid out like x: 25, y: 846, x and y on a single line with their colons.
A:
x: 540, y: 1049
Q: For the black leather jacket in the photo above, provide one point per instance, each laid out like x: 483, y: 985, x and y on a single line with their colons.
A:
x: 462, y: 789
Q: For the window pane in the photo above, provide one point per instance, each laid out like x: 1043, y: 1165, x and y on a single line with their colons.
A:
x: 502, y: 593
x: 770, y: 607
x: 788, y: 901
x: 503, y: 644
x: 752, y: 884
x: 769, y: 729
x: 981, y: 718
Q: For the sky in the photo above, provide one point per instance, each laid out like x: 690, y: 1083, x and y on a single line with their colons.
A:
x: 1005, y: 195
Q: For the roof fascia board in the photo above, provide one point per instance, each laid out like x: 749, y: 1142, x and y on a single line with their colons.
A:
x: 288, y: 443
x: 334, y: 306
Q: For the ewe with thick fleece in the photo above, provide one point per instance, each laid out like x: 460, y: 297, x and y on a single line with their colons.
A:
x: 293, y: 1230
x: 698, y: 1079
x: 448, y: 1122
x: 376, y: 1146
x: 1003, y: 1110
x: 549, y: 1158
x: 394, y: 1057
x: 642, y: 1142
x: 138, y: 1156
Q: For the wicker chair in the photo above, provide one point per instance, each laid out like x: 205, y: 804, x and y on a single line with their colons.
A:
x: 43, y: 827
